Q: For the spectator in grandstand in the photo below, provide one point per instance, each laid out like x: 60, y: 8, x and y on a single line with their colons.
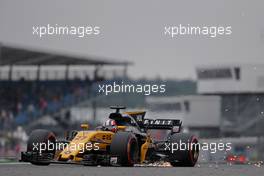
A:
x: 43, y: 104
x: 2, y: 119
x: 19, y: 107
x: 6, y: 119
x: 31, y: 110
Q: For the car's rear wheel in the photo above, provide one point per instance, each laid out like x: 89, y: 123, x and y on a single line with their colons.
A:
x: 125, y: 146
x: 41, y: 143
x: 187, y: 152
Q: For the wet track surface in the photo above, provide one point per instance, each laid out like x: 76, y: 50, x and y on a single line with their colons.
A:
x: 24, y: 169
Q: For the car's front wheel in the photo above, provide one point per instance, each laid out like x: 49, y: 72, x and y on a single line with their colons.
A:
x: 41, y: 146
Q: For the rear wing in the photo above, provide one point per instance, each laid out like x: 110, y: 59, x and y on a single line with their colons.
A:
x: 169, y: 124
x: 162, y: 124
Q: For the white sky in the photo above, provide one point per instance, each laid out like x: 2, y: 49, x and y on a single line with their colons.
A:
x: 133, y: 30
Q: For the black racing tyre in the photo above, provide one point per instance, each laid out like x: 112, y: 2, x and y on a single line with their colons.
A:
x: 189, y: 155
x: 125, y: 146
x: 41, y: 136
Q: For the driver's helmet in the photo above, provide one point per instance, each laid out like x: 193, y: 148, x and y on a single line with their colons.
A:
x: 110, y: 125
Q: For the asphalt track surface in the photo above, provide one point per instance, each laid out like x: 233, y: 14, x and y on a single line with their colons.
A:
x: 24, y: 169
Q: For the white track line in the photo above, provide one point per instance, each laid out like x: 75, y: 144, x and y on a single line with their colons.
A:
x: 14, y: 163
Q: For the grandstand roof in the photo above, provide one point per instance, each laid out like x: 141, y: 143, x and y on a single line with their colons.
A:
x: 21, y: 56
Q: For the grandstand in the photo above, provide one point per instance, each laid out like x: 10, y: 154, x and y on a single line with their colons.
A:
x: 37, y: 83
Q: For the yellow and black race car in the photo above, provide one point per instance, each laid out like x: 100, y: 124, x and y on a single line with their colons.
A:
x: 125, y: 139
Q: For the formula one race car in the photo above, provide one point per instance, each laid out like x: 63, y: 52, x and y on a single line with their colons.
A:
x: 123, y: 140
